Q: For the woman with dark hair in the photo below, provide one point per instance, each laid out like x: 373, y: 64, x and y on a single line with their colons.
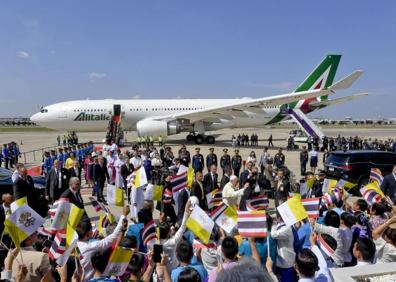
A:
x: 99, y: 262
x: 378, y: 214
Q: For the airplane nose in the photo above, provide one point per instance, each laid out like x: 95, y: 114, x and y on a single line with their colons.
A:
x: 35, y: 118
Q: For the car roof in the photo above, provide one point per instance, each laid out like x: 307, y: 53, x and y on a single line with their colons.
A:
x: 357, y: 152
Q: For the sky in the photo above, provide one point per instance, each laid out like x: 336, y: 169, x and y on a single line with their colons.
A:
x: 54, y: 51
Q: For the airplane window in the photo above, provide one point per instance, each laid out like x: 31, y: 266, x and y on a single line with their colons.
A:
x: 44, y: 111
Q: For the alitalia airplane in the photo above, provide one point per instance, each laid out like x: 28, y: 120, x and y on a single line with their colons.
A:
x: 164, y: 117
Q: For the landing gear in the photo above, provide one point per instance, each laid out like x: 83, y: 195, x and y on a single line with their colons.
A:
x: 210, y: 139
x: 190, y: 137
x: 200, y: 138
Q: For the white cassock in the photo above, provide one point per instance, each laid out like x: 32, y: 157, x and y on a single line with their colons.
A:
x: 110, y: 167
x: 119, y: 182
x: 137, y: 196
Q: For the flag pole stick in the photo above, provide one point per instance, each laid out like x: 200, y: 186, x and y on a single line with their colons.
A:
x: 268, y: 246
x: 75, y: 260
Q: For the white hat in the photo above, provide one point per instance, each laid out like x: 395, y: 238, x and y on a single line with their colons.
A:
x: 93, y: 154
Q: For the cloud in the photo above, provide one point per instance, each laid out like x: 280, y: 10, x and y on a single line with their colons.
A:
x: 285, y: 85
x: 23, y: 55
x: 93, y: 76
x: 136, y: 97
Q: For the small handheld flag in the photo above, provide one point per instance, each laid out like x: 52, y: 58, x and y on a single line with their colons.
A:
x: 376, y: 176
x: 252, y: 224
x: 292, y: 211
x: 258, y: 202
x: 311, y: 206
x: 200, y: 224
x: 149, y: 232
x: 225, y: 217
x: 178, y: 182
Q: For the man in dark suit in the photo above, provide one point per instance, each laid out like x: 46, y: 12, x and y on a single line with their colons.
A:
x: 24, y: 187
x: 388, y: 185
x: 75, y: 171
x: 126, y: 170
x: 198, y: 191
x: 5, y: 211
x: 99, y: 176
x: 245, y: 174
x: 210, y: 180
x: 182, y: 199
x: 57, y: 182
x: 73, y: 193
x: 282, y: 188
x: 226, y: 176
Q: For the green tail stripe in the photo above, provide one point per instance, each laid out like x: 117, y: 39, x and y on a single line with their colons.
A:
x: 330, y: 60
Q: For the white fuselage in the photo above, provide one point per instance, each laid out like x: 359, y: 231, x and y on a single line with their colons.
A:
x: 94, y: 115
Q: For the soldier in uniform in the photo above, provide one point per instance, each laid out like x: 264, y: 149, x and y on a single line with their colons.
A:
x: 211, y: 158
x: 236, y: 163
x: 46, y: 163
x: 52, y: 158
x: 225, y: 160
x: 198, y: 161
x: 279, y: 160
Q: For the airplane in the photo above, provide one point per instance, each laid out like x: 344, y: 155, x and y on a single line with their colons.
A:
x: 165, y: 117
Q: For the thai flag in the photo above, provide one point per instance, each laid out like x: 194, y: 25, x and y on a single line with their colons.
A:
x: 149, y: 232
x: 178, y: 182
x: 370, y: 195
x: 218, y: 211
x: 58, y: 246
x: 214, y: 198
x: 167, y: 197
x: 311, y: 205
x: 252, y: 224
x: 95, y: 204
x: 376, y: 175
x: 258, y: 202
x: 324, y: 247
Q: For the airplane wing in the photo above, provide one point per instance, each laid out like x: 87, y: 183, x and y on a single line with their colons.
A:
x: 242, y: 107
x: 325, y: 103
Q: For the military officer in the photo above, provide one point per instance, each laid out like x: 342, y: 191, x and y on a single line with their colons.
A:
x: 225, y: 160
x: 211, y: 158
x: 198, y: 161
x: 236, y: 163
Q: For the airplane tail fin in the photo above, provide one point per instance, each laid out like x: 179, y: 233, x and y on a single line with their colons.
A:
x: 321, y: 77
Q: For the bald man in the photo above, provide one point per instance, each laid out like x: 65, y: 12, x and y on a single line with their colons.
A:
x: 73, y: 193
x: 24, y: 187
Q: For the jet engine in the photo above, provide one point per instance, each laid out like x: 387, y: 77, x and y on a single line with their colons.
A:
x: 156, y: 128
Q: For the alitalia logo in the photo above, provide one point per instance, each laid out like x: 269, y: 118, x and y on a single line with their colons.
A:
x: 88, y: 117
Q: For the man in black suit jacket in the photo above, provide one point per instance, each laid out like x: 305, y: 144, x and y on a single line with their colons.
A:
x: 245, y: 174
x: 182, y: 199
x: 24, y: 187
x: 210, y: 180
x: 198, y: 191
x: 57, y: 182
x: 388, y: 185
x: 75, y: 171
x: 99, y: 176
x: 282, y: 188
x: 73, y: 193
x: 226, y: 177
x: 126, y: 170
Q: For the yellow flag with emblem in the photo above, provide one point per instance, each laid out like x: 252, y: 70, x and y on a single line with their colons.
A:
x: 190, y: 177
x: 23, y: 222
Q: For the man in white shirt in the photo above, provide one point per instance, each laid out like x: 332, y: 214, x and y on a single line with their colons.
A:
x: 230, y: 193
x: 89, y: 247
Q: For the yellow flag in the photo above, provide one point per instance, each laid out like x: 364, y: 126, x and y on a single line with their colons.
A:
x: 190, y: 177
x: 75, y: 216
x: 158, y: 190
x: 18, y: 203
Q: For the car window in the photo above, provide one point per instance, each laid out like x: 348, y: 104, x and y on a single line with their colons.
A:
x: 337, y: 158
x: 384, y: 159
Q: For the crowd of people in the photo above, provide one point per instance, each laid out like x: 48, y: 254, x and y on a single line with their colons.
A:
x: 244, y: 140
x: 68, y: 139
x: 354, y: 232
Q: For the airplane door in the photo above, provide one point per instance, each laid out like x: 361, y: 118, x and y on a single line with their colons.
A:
x: 117, y: 110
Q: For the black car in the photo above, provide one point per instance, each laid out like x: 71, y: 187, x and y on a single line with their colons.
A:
x: 355, y: 165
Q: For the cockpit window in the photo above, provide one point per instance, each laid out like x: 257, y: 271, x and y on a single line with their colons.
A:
x: 44, y: 111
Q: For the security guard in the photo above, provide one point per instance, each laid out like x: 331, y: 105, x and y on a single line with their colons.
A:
x: 225, y: 160
x: 60, y: 157
x: 236, y: 163
x: 52, y: 158
x: 46, y: 163
x: 198, y: 161
x: 211, y: 158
